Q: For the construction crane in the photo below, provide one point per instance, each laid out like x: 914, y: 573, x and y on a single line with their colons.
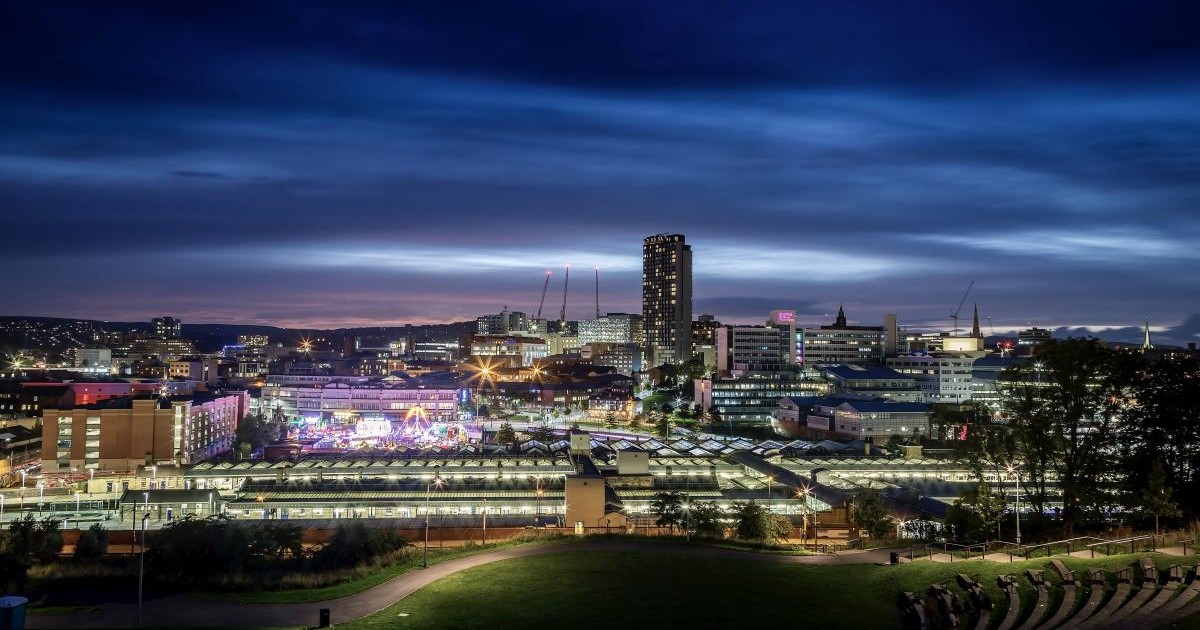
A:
x: 542, y: 301
x: 597, y: 270
x: 562, y: 314
x: 954, y: 315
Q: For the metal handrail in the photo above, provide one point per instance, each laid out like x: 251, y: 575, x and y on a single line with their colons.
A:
x: 1131, y: 540
x: 1030, y: 549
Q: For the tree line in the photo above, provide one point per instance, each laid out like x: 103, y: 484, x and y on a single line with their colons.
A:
x: 1098, y: 432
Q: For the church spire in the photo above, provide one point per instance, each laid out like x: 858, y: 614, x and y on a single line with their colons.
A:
x: 975, y: 324
x: 841, y: 318
x: 1146, y: 345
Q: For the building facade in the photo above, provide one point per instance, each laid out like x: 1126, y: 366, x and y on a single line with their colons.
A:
x: 667, y: 299
x: 611, y: 328
x: 843, y: 343
x: 118, y: 434
x: 944, y: 378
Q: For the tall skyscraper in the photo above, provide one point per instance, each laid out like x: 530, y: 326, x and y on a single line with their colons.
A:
x: 667, y: 299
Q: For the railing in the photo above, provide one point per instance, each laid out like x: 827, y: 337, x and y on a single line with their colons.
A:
x: 1185, y: 544
x: 1132, y: 541
x: 1070, y: 543
x: 966, y: 550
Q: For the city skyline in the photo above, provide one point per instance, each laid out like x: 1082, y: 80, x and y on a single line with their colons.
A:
x: 304, y: 165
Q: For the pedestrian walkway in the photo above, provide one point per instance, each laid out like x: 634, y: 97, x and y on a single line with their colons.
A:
x: 197, y: 611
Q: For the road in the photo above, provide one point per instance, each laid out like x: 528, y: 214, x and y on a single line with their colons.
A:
x: 195, y: 611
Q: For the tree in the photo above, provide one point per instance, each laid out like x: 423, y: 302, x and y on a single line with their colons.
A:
x: 636, y: 422
x: 753, y: 521
x: 1161, y: 424
x: 668, y: 506
x: 1063, y: 410
x: 704, y: 519
x: 610, y: 419
x: 869, y: 515
x: 92, y: 543
x: 1156, y: 497
x: 506, y: 435
x: 663, y: 425
x: 975, y: 515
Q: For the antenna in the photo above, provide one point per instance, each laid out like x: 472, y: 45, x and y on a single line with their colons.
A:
x: 562, y: 315
x: 541, y: 302
x: 597, y: 270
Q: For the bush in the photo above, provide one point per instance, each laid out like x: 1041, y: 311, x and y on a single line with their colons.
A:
x: 93, y: 543
x: 355, y: 543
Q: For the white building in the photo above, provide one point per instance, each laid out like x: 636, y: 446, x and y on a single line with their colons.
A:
x: 611, y: 328
x: 95, y: 360
x: 944, y: 378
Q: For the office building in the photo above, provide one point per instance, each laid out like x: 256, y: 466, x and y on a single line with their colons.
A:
x: 667, y: 299
x: 611, y: 328
x: 505, y: 322
x: 843, y: 343
x: 874, y: 381
x: 944, y: 378
x: 1030, y: 338
x: 167, y: 327
x: 625, y: 358
x: 743, y: 350
x: 751, y: 401
x: 94, y: 360
x: 516, y: 351
x: 119, y: 433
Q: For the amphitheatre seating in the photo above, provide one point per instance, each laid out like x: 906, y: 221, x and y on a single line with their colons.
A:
x: 1096, y: 596
x: 1102, y: 616
x: 1008, y: 584
x: 979, y: 600
x: 1146, y: 590
x: 1184, y: 603
x: 947, y: 604
x: 1149, y: 607
x: 914, y: 611
x: 1070, y: 586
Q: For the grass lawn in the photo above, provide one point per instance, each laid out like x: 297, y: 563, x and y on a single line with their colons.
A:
x: 370, y: 580
x: 664, y: 590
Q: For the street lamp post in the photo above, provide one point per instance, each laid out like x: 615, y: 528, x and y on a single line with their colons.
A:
x: 41, y: 493
x: 802, y: 494
x: 437, y: 479
x: 537, y: 510
x: 76, y: 503
x: 770, y: 478
x: 1016, y: 473
x: 142, y: 567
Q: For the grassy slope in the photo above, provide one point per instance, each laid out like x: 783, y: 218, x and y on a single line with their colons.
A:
x: 674, y: 590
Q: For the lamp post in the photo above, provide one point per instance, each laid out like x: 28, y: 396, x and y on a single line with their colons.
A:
x: 1, y: 507
x: 770, y: 478
x: 1016, y: 473
x: 41, y: 493
x: 437, y: 480
x: 91, y: 476
x: 23, y: 473
x: 802, y: 494
x: 537, y: 510
x: 142, y: 567
x: 76, y: 503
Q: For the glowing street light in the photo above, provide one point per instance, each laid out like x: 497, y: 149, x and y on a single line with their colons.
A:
x: 1016, y: 473
x: 436, y: 481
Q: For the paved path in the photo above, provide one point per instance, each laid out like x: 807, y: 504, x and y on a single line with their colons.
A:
x: 195, y: 611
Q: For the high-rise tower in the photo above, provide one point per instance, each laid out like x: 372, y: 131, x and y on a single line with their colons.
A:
x: 667, y: 299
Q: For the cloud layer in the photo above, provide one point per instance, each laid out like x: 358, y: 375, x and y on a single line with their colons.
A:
x: 315, y: 164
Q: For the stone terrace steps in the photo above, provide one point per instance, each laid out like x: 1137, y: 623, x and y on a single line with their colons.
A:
x: 1148, y: 606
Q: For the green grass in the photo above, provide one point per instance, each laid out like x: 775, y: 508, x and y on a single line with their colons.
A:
x: 675, y: 589
x: 371, y: 579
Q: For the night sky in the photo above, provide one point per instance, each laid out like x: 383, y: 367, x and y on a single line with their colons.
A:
x: 309, y: 164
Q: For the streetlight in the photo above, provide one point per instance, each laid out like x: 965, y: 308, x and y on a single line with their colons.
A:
x: 77, y: 503
x: 802, y: 494
x: 142, y: 567
x: 537, y: 511
x: 770, y: 478
x: 437, y: 480
x: 1016, y: 473
x: 1, y: 507
x: 41, y: 493
x: 23, y: 473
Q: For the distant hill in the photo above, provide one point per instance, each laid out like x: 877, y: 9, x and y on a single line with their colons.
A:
x: 57, y: 334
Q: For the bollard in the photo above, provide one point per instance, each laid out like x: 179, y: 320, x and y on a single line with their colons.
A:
x: 323, y: 622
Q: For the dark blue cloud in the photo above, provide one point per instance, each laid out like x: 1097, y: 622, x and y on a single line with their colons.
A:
x: 273, y: 153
